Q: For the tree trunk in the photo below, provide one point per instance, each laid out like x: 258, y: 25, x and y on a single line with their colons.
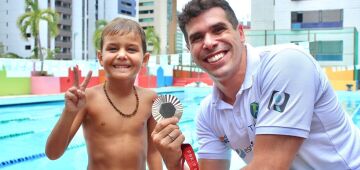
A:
x: 41, y: 57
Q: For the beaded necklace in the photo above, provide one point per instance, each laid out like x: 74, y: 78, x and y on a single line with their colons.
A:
x: 120, y: 112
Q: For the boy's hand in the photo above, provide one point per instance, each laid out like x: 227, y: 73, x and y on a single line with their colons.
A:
x: 75, y: 96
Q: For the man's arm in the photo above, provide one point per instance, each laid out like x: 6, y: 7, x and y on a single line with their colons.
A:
x: 154, y: 158
x: 274, y: 152
x: 214, y: 164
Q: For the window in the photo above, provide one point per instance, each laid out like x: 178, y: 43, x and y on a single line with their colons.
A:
x: 327, y: 50
x: 127, y: 7
x: 28, y: 35
x: 146, y: 19
x: 296, y: 17
x: 151, y: 3
x: 125, y: 12
x: 66, y: 16
x: 317, y: 19
x: 146, y: 12
x: 27, y: 47
x: 126, y: 3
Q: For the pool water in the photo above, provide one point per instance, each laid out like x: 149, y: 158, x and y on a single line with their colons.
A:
x: 24, y: 130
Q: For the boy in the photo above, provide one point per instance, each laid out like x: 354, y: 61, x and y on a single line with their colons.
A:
x: 116, y: 116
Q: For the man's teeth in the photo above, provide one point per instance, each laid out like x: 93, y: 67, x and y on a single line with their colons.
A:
x: 215, y: 58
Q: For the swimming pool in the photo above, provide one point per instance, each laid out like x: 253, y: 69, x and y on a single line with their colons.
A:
x: 24, y: 130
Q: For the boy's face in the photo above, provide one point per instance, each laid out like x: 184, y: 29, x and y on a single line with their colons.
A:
x: 122, y: 55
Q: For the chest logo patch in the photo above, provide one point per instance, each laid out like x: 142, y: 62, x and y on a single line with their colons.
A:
x: 254, y: 109
x: 278, y: 101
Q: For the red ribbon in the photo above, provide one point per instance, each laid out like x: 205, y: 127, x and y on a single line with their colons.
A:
x: 188, y: 155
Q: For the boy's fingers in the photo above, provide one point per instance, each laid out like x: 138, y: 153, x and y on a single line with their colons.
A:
x: 76, y: 77
x: 86, y: 81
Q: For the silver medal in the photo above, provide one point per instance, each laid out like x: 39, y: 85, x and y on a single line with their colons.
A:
x: 166, y: 106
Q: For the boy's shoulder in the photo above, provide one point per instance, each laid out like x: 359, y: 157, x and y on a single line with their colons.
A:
x: 146, y: 93
x: 94, y: 90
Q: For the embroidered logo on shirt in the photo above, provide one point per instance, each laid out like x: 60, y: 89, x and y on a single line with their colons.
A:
x: 224, y: 139
x: 254, y: 109
x: 278, y: 101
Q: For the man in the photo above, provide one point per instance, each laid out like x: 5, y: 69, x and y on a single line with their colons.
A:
x: 274, y: 107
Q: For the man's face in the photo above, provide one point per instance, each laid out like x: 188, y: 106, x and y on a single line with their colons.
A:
x: 214, y: 44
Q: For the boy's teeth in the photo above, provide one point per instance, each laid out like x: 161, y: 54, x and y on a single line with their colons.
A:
x: 121, y: 66
x: 215, y: 57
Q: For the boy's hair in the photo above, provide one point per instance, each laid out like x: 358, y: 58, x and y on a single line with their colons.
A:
x: 195, y: 7
x: 123, y: 26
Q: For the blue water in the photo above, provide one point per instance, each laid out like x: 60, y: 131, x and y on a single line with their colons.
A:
x: 24, y: 130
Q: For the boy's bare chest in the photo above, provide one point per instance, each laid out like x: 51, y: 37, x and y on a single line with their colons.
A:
x: 106, y: 120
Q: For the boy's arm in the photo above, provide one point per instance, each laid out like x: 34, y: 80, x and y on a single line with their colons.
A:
x: 154, y: 159
x: 71, y: 118
x: 62, y: 134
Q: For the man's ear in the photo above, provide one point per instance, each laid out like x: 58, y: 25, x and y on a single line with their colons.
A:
x: 240, y: 29
x: 145, y: 59
x: 99, y: 56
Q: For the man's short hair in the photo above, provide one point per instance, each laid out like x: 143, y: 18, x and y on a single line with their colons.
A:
x: 195, y: 7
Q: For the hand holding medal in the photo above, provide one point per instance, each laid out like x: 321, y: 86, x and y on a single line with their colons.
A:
x: 167, y: 106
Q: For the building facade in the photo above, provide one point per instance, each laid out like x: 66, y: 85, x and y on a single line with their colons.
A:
x: 328, y: 28
x: 63, y: 41
x: 10, y: 36
x: 160, y: 14
x: 88, y: 12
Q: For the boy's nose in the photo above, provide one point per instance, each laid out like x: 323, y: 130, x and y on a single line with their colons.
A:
x: 121, y: 55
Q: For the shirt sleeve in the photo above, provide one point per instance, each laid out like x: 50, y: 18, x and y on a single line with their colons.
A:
x: 210, y: 146
x: 289, y: 81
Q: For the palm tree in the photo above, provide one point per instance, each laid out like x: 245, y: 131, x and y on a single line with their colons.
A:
x: 100, y: 24
x: 152, y: 40
x: 30, y: 21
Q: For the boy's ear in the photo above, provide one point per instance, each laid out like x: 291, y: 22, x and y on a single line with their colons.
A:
x: 146, y: 59
x: 99, y: 56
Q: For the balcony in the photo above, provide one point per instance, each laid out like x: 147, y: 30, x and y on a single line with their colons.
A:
x: 315, y: 25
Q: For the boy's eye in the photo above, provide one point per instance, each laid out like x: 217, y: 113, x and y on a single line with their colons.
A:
x: 112, y: 49
x: 132, y: 49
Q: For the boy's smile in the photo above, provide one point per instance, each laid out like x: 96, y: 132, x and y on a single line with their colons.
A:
x: 122, y: 55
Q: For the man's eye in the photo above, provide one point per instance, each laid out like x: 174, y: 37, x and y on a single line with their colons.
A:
x: 218, y: 30
x: 195, y: 39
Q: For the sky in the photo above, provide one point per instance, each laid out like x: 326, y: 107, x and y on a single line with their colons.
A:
x: 241, y: 8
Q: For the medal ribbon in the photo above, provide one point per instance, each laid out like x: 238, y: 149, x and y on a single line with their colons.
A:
x: 188, y: 155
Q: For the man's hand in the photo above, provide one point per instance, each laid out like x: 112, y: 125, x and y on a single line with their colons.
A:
x: 75, y: 96
x: 168, y: 138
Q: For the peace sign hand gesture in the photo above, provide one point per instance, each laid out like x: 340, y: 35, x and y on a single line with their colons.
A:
x: 75, y: 98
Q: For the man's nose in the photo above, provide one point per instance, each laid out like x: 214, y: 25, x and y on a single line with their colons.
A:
x: 209, y: 42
